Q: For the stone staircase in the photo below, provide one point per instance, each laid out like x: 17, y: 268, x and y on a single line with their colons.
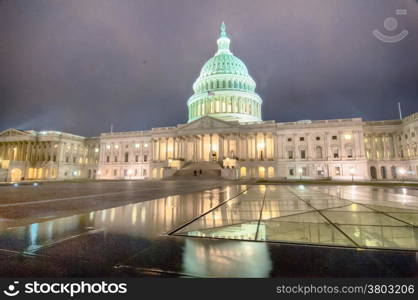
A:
x: 209, y: 169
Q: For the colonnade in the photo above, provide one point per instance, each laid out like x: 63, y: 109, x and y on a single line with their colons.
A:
x: 209, y: 147
x: 224, y: 105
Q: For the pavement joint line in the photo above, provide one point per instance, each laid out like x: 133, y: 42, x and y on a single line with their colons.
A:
x: 303, y: 244
x: 261, y: 212
x: 374, y: 210
x: 325, y: 217
x: 205, y: 213
x: 82, y: 197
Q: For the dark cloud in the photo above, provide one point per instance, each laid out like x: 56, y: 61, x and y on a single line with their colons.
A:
x: 81, y: 65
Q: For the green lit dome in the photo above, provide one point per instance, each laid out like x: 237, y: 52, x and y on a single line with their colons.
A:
x: 224, y: 88
x: 224, y: 64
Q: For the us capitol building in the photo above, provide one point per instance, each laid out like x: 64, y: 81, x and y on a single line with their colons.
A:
x: 224, y: 136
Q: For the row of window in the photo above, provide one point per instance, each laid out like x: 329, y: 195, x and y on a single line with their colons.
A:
x: 318, y: 138
x: 304, y: 171
x: 126, y: 158
x: 135, y: 145
x: 127, y: 172
x: 319, y: 154
x: 223, y: 84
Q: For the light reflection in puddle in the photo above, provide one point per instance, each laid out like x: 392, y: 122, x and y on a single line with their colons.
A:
x: 145, y: 220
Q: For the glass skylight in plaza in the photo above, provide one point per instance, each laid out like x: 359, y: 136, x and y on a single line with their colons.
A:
x: 345, y: 216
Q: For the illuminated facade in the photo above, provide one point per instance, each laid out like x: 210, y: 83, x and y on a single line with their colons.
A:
x: 225, y: 136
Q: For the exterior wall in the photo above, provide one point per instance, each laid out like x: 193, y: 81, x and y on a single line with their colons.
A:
x: 125, y: 155
x: 341, y: 149
x: 45, y: 155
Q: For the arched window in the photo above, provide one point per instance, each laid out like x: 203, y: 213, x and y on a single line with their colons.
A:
x: 383, y: 172
x: 318, y: 152
x: 261, y: 172
x: 270, y: 172
x: 373, y: 173
x: 243, y: 172
x: 393, y: 172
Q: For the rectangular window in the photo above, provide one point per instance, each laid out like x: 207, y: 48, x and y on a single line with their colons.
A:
x: 108, y: 158
x: 55, y: 158
x: 334, y: 137
x: 335, y: 152
x: 67, y: 159
x: 116, y: 159
x: 290, y: 154
x: 291, y: 172
x: 337, y: 171
x: 145, y: 158
x: 136, y: 158
x: 302, y: 154
x: 74, y: 159
x: 126, y: 157
x: 304, y: 171
x: 289, y: 139
x: 301, y: 139
x: 144, y: 172
x: 115, y: 172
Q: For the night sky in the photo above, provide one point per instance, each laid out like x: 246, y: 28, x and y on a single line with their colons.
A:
x: 80, y: 65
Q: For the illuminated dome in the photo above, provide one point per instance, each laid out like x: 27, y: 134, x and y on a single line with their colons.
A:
x: 224, y: 88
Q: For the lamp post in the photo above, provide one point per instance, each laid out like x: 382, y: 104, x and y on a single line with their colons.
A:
x: 352, y: 172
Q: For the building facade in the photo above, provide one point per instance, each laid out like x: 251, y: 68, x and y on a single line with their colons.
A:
x: 224, y: 136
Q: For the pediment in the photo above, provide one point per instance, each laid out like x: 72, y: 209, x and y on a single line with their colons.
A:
x: 13, y: 132
x: 207, y: 123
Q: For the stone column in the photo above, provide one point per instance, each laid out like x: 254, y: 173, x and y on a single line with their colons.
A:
x: 239, y: 149
x: 159, y: 148
x: 275, y: 146
x: 308, y: 144
x: 220, y: 147
x: 255, y: 147
x: 211, y: 145
x: 327, y: 147
x: 265, y: 145
x: 202, y: 147
x: 228, y: 149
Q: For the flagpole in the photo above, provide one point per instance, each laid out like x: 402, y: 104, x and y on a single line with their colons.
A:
x: 400, y: 111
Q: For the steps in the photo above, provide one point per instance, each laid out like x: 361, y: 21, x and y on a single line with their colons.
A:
x: 209, y: 169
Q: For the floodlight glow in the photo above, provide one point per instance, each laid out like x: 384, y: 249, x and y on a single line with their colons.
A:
x: 35, y: 184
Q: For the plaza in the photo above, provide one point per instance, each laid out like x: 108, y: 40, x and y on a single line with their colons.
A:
x: 207, y: 228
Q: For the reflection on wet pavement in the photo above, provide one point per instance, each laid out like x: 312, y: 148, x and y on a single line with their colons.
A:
x: 132, y: 240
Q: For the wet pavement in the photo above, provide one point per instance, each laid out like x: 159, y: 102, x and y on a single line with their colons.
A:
x: 214, y: 230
